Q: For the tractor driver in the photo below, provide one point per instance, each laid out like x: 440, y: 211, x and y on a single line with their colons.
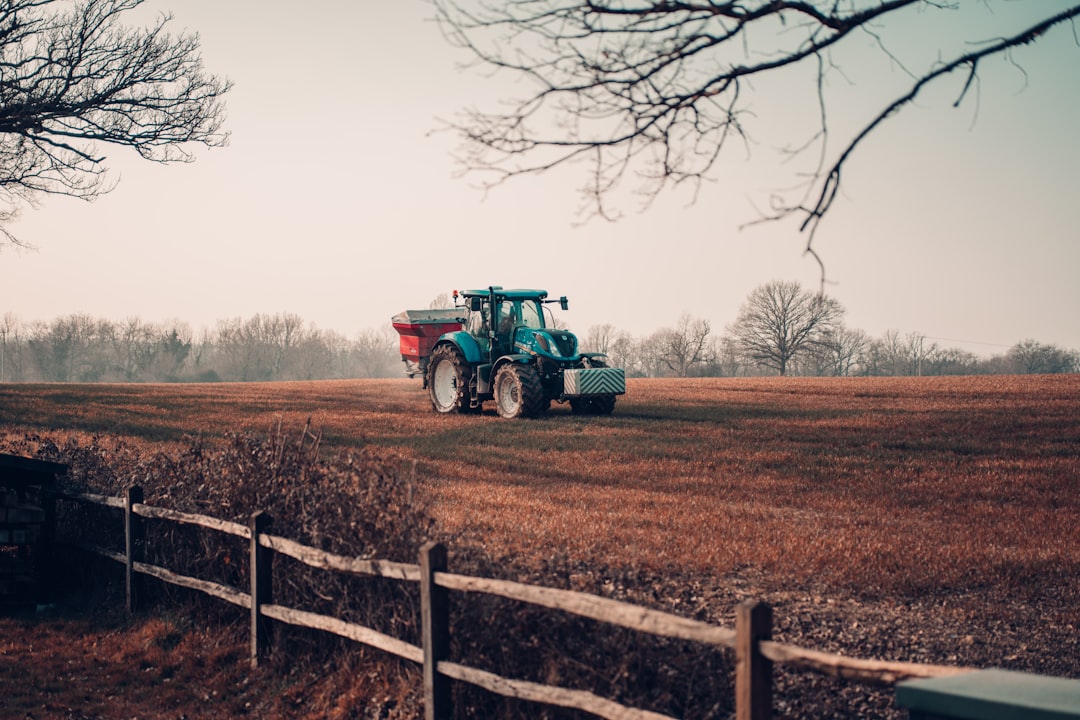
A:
x: 508, y: 318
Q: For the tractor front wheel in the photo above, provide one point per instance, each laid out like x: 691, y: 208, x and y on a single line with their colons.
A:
x: 519, y: 392
x: 449, y: 375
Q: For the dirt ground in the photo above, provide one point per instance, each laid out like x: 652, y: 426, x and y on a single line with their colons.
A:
x: 90, y: 661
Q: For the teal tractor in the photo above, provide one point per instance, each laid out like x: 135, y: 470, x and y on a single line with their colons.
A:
x: 503, y: 345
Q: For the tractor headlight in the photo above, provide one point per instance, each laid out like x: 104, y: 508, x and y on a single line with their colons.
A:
x: 546, y: 346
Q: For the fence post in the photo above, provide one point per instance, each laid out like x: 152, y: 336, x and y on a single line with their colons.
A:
x: 261, y: 587
x: 435, y: 625
x: 753, y: 671
x: 133, y: 544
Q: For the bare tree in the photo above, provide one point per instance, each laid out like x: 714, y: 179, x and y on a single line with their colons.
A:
x: 263, y: 347
x: 376, y: 353
x: 1031, y: 357
x: 312, y: 358
x: 649, y: 355
x: 654, y: 91
x: 74, y: 77
x: 174, y: 343
x: 780, y: 320
x: 622, y: 352
x: 237, y: 350
x: 725, y: 360
x: 950, y: 361
x: 441, y: 301
x: 599, y: 338
x: 838, y: 351
x: 887, y: 355
x: 616, y: 344
x: 74, y: 348
x: 846, y: 349
x: 686, y: 345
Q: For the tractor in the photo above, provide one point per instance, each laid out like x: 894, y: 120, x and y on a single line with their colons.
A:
x: 503, y: 345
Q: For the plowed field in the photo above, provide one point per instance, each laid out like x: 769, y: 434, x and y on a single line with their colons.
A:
x: 923, y: 519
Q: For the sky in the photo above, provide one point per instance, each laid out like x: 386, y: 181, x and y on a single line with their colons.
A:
x: 338, y: 198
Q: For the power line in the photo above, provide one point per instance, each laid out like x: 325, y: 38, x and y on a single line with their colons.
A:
x: 966, y: 342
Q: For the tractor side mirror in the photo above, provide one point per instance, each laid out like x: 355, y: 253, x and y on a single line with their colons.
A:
x: 474, y: 303
x: 564, y: 303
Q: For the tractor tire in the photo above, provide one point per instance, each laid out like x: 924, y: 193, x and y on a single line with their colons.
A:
x: 599, y: 405
x: 449, y: 376
x: 519, y: 392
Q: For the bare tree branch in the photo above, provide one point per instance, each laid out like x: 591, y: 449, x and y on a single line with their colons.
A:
x: 73, y: 78
x: 651, y: 92
x: 831, y: 186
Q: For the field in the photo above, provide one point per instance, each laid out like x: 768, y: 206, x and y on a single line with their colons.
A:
x: 922, y: 519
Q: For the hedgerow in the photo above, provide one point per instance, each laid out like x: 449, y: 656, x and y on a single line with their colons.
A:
x: 367, y: 503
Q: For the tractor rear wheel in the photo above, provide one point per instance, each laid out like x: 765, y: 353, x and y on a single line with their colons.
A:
x: 449, y: 375
x: 519, y: 392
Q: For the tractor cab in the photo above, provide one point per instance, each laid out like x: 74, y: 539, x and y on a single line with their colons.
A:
x: 503, y: 322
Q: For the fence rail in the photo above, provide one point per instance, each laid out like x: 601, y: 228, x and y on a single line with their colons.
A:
x: 755, y: 651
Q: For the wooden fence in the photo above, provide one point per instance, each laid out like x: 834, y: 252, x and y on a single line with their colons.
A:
x: 755, y: 651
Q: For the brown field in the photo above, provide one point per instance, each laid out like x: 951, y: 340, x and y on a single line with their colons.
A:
x: 925, y: 519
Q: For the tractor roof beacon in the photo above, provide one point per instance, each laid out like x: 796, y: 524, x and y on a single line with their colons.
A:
x: 503, y: 345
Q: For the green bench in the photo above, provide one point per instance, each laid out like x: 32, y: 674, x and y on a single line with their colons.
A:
x: 991, y: 695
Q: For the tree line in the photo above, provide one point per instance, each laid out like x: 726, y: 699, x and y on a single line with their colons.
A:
x: 781, y: 329
x: 264, y: 347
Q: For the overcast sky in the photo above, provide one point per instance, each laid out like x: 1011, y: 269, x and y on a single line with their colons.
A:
x: 335, y: 201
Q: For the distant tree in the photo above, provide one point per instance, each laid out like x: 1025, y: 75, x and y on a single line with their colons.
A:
x: 134, y: 347
x: 685, y: 346
x: 654, y: 91
x: 780, y: 320
x: 918, y: 352
x: 838, y: 352
x: 950, y: 361
x: 886, y: 355
x: 312, y: 357
x: 139, y: 351
x: 649, y: 355
x: 846, y: 350
x: 263, y: 347
x: 995, y: 365
x: 74, y: 348
x: 623, y: 352
x: 722, y: 359
x: 239, y: 352
x: 74, y: 77
x: 174, y: 346
x: 286, y: 333
x: 901, y: 354
x: 441, y: 301
x: 376, y: 353
x: 1032, y: 357
x: 340, y: 351
x: 599, y: 338
x: 203, y: 357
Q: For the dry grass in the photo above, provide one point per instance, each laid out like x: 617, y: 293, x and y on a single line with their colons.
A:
x: 919, y: 484
x: 927, y: 519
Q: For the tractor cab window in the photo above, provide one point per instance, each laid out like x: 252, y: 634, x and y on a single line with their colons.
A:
x: 531, y: 315
x: 519, y: 312
x: 478, y: 322
x: 509, y: 313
